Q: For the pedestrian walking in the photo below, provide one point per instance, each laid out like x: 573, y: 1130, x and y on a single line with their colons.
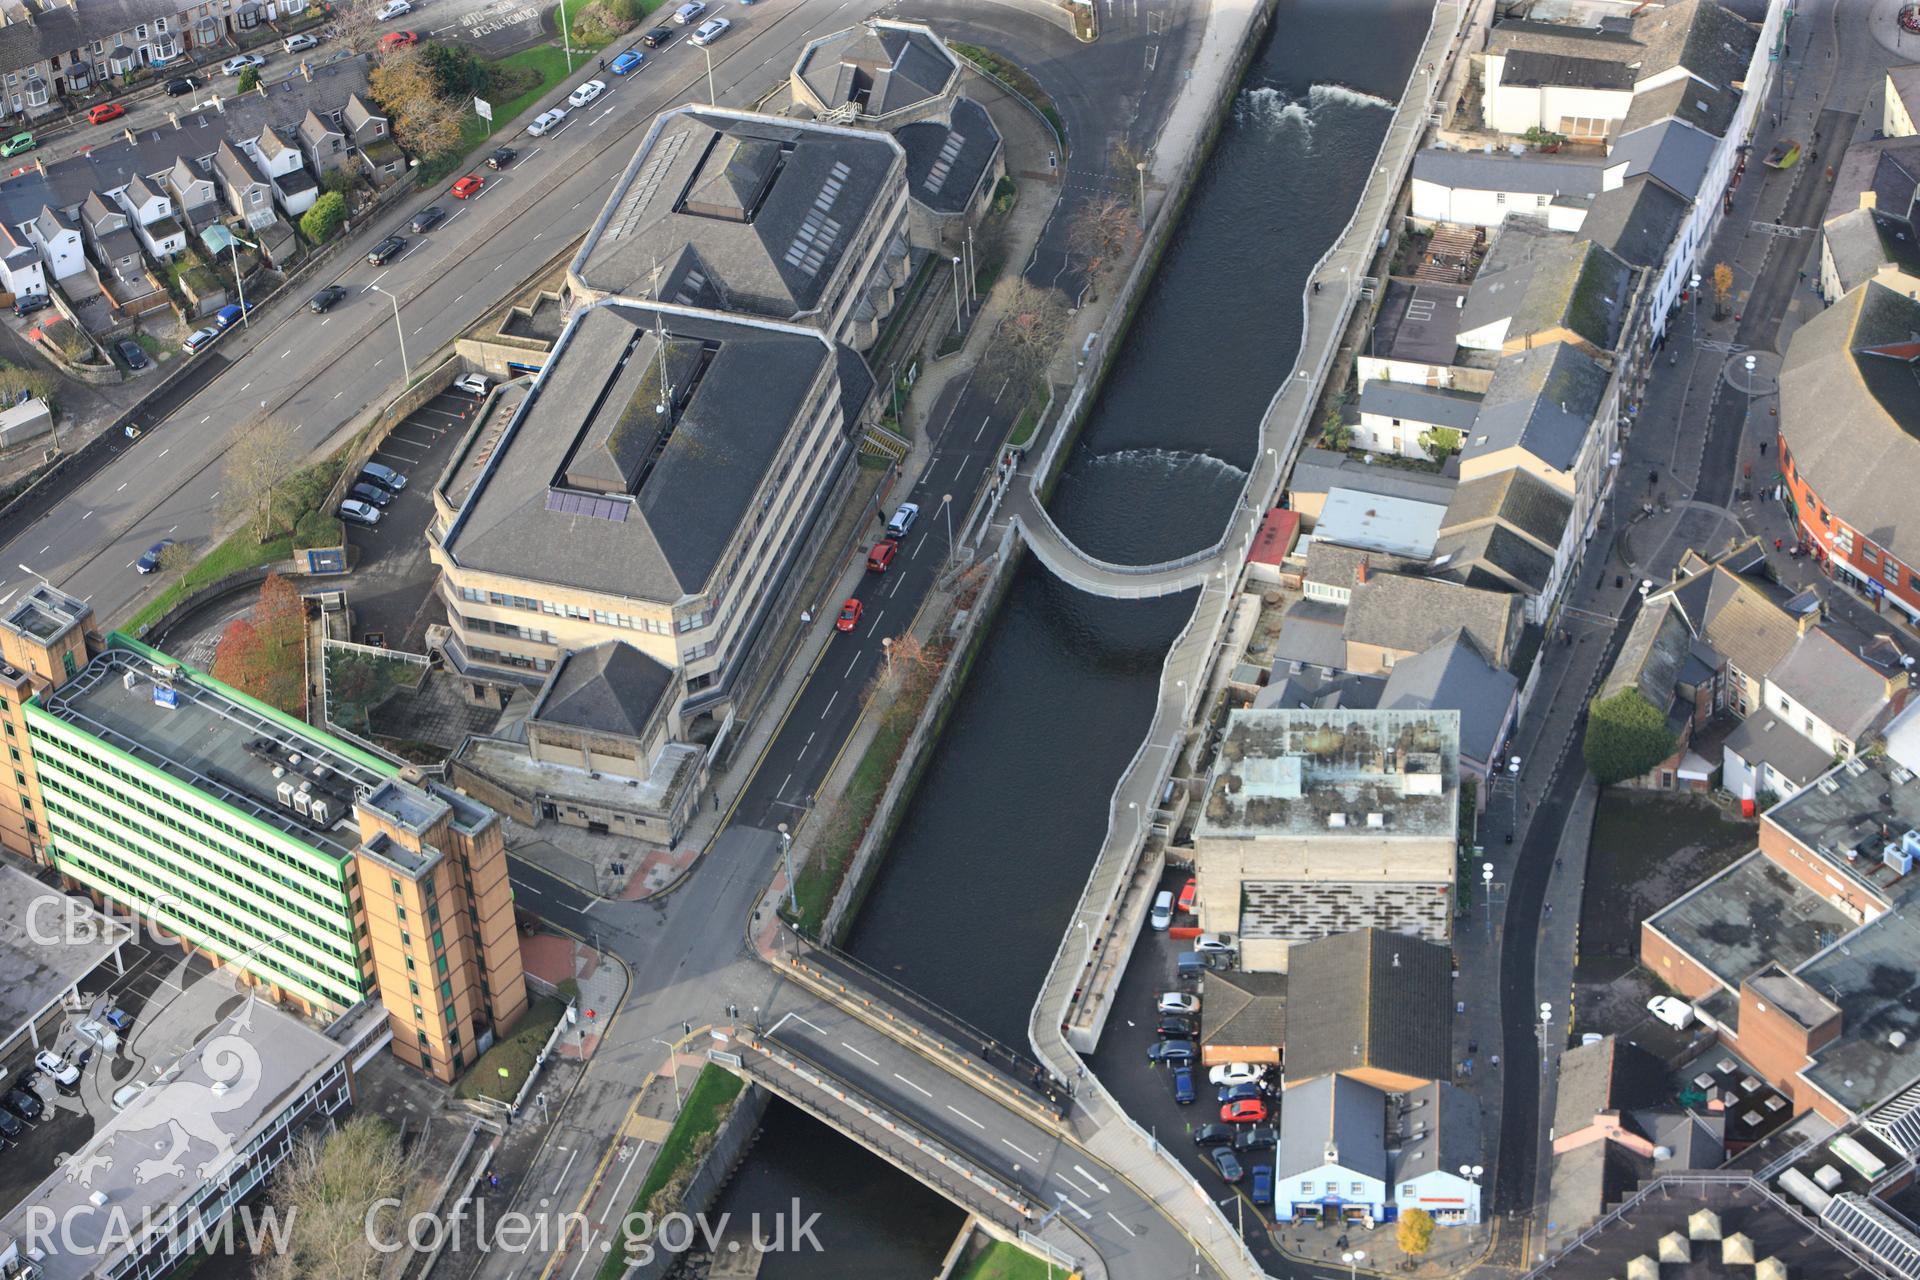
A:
x: 1763, y: 448
x: 1776, y: 544
x: 1496, y: 1059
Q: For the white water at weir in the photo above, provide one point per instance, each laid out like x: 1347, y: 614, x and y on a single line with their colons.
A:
x: 1169, y: 460
x: 1273, y: 107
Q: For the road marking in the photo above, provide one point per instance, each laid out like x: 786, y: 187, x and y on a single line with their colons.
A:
x: 1003, y: 390
x: 1123, y: 1226
x: 850, y: 1049
x: 338, y: 394
x: 44, y: 550
x: 1082, y: 1171
x: 538, y: 234
x: 876, y: 621
x: 1070, y: 1184
x: 911, y: 1085
x: 376, y: 364
x: 323, y: 322
x: 1028, y: 1154
x: 829, y: 706
x: 983, y: 427
x: 803, y: 1022
x: 164, y: 452
x: 851, y: 665
x: 1067, y: 1200
x: 897, y: 580
x: 88, y: 516
x: 376, y: 280
x: 286, y: 353
x: 123, y: 484
x: 783, y: 786
x: 575, y: 205
x: 809, y: 741
x: 248, y: 385
x: 571, y: 1157
x: 204, y: 421
x: 962, y: 467
x: 957, y: 1111
x: 916, y: 546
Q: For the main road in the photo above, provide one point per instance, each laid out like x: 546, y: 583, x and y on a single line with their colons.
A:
x: 319, y: 372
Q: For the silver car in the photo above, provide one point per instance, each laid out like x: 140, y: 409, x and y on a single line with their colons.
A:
x: 357, y: 512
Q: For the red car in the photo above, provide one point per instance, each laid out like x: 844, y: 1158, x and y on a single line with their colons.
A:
x: 468, y: 186
x: 399, y: 39
x: 1187, y: 892
x: 104, y: 112
x: 881, y: 556
x: 849, y: 615
x: 1245, y: 1111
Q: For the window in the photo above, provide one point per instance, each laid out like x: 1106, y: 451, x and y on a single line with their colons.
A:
x: 401, y: 912
x: 439, y: 942
x: 409, y: 964
x: 419, y: 1014
x: 1841, y: 747
x: 1355, y: 1190
x: 396, y: 888
x: 66, y: 661
x: 413, y: 988
x: 406, y: 939
x: 159, y: 24
x: 446, y: 989
x: 441, y: 964
x: 140, y: 32
x: 1499, y: 197
x: 459, y: 1061
x: 1891, y: 572
x: 1809, y: 723
x: 1540, y: 202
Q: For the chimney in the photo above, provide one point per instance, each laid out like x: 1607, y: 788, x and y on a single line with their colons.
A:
x: 1360, y: 572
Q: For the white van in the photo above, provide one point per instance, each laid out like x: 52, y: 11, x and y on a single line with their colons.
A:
x: 1677, y: 1014
x: 1162, y: 914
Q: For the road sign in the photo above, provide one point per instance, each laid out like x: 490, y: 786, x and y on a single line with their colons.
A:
x: 483, y: 109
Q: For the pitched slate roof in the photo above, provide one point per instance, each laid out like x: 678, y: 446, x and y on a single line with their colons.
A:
x: 612, y: 688
x: 1833, y: 682
x: 1741, y: 618
x: 1449, y: 1118
x: 1542, y: 400
x: 1709, y: 41
x: 1413, y: 402
x: 1332, y: 1116
x: 1408, y: 614
x: 1707, y: 108
x: 1369, y: 998
x: 1332, y: 565
x: 1650, y: 657
x: 1310, y: 633
x: 58, y: 28
x: 1556, y: 37
x: 1540, y: 279
x: 1320, y: 471
x: 1677, y: 154
x: 1607, y: 1075
x: 1494, y: 557
x: 1536, y: 68
x: 1637, y: 221
x: 1764, y: 737
x: 1530, y: 174
x: 1514, y: 497
x: 946, y: 160
x: 1454, y: 676
x: 1246, y: 1010
x: 885, y: 67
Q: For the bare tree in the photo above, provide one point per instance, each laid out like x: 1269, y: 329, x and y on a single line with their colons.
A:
x: 425, y: 121
x: 1030, y: 335
x: 259, y: 461
x: 356, y: 24
x: 1101, y: 233
x: 326, y: 1191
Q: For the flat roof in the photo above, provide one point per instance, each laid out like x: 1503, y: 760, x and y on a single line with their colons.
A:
x: 1418, y: 320
x: 1379, y: 522
x: 1749, y: 915
x: 49, y: 942
x: 1843, y: 811
x: 1298, y: 771
x: 242, y: 1063
x: 1870, y: 976
x: 513, y: 767
x: 45, y: 613
x: 191, y: 727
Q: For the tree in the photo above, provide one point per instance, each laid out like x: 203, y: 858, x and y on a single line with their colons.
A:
x: 1100, y: 234
x: 1722, y: 289
x: 320, y: 223
x: 249, y: 81
x: 1440, y: 441
x: 327, y: 1190
x: 1030, y: 335
x: 1335, y: 433
x: 456, y: 72
x: 356, y: 24
x: 1626, y: 736
x: 425, y: 121
x: 259, y: 461
x: 17, y: 382
x: 280, y: 621
x: 1414, y: 1233
x: 240, y: 658
x: 176, y: 559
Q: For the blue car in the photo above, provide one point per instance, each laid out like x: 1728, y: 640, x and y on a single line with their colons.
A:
x: 1263, y: 1184
x: 1183, y: 1085
x: 229, y: 315
x: 628, y: 61
x: 1235, y: 1092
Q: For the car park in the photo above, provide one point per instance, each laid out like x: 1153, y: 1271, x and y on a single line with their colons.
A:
x: 1188, y: 892
x: 903, y: 517
x: 325, y: 299
x: 105, y: 111
x: 130, y: 352
x: 99, y: 1035
x: 547, y: 121
x: 468, y: 187
x: 198, y: 339
x: 18, y: 143
x: 1235, y: 1092
x: 359, y: 513
x: 1175, y: 1026
x: 659, y: 37
x: 149, y: 561
x: 10, y: 1127
x: 427, y: 219
x: 23, y: 1103
x: 300, y: 43
x: 1183, y: 1085
x: 628, y: 61
x: 393, y: 9
x: 128, y: 1094
x: 371, y: 494
x: 117, y: 1018
x: 1160, y: 915
x: 57, y: 1069
x: 235, y: 65
x: 1215, y: 1134
x: 688, y: 12
x: 383, y: 475
x: 1215, y: 944
x: 849, y: 615
x: 181, y: 86
x: 386, y: 251
x: 1244, y: 1111
x: 474, y: 384
x: 1256, y: 1137
x: 1224, y: 1162
x: 881, y: 556
x: 1263, y: 1184
x: 1174, y: 1051
x: 587, y: 92
x: 1178, y: 1002
x: 28, y: 303
x: 709, y: 31
x: 399, y: 39
x: 1236, y: 1073
x: 500, y: 157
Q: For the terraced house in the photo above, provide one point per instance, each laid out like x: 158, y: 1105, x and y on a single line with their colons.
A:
x: 51, y: 49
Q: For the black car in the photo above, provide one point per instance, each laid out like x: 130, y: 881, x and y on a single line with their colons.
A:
x: 1177, y: 1052
x: 150, y: 562
x: 657, y: 37
x: 10, y: 1126
x: 23, y: 1104
x: 427, y: 219
x: 1224, y: 1161
x: 130, y: 352
x: 1256, y: 1137
x: 325, y: 298
x: 372, y: 493
x: 386, y: 251
x: 1216, y: 1135
x: 181, y: 86
x: 28, y: 303
x: 1174, y: 1026
x: 501, y: 158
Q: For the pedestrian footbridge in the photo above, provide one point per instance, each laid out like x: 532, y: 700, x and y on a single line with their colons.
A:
x: 1029, y: 517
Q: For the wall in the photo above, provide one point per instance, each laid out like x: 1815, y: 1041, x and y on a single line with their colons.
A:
x: 1477, y: 207
x: 1895, y: 121
x: 1673, y: 966
x: 1814, y: 871
x: 1831, y: 534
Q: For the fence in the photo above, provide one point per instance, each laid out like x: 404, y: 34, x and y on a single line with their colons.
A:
x: 540, y: 1059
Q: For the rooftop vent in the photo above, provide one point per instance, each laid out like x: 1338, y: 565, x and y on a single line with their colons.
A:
x: 1336, y: 820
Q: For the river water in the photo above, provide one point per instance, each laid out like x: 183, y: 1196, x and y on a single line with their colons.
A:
x: 993, y: 851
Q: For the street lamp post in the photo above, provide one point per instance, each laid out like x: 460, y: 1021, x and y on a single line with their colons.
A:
x: 957, y: 319
x: 233, y: 249
x: 1546, y: 1032
x: 946, y: 504
x: 399, y: 329
x: 786, y: 854
x: 566, y: 36
x: 1353, y: 1260
x: 1486, y: 878
x: 712, y: 97
x: 1141, y: 169
x: 673, y: 1072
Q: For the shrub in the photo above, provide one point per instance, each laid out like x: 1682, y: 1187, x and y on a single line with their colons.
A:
x: 249, y: 81
x: 320, y: 223
x: 1626, y: 736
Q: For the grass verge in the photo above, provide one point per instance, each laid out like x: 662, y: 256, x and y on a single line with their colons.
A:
x: 1003, y: 1261
x: 706, y: 1105
x: 1029, y: 420
x: 1022, y: 83
x: 516, y: 1054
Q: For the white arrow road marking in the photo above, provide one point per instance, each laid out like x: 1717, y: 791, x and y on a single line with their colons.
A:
x: 1104, y: 1188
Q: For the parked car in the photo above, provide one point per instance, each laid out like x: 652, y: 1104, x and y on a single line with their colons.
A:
x: 1244, y: 1111
x: 1224, y: 1162
x: 58, y: 1069
x: 474, y: 384
x: 130, y: 352
x: 627, y: 61
x: 23, y: 1103
x: 500, y: 157
x: 393, y: 9
x: 659, y: 37
x: 1188, y: 892
x: 325, y: 299
x: 1263, y: 1184
x: 1236, y: 1073
x: 468, y: 187
x: 386, y: 251
x: 198, y: 339
x: 371, y: 494
x: 1234, y: 1092
x: 105, y: 111
x: 1256, y: 1137
x: 1183, y: 1085
x: 1175, y: 1026
x: 235, y: 65
x: 1174, y: 1051
x: 383, y: 475
x: 10, y: 1127
x: 849, y: 615
x: 587, y: 92
x: 28, y: 303
x: 300, y: 43
x: 399, y: 39
x: 710, y: 30
x: 229, y: 315
x: 149, y: 561
x: 18, y: 143
x: 1160, y: 914
x: 903, y: 517
x: 427, y: 219
x: 1178, y: 1002
x: 181, y: 86
x: 359, y: 513
x: 547, y: 121
x: 117, y: 1018
x: 689, y: 11
x: 128, y: 1094
x: 1215, y: 944
x: 1215, y: 1134
x: 881, y: 556
x: 99, y: 1035
x: 1676, y: 1013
